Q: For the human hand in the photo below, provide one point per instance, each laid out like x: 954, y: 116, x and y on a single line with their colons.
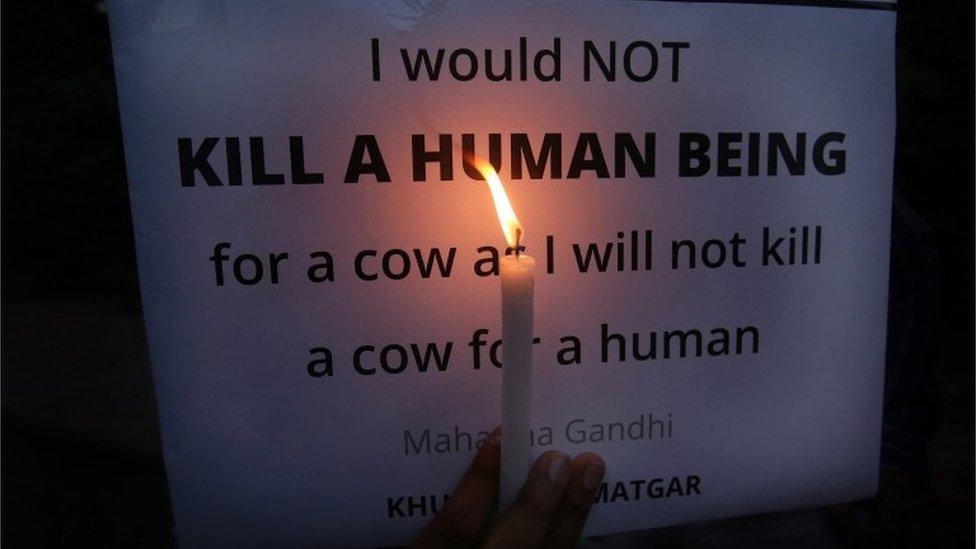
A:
x: 550, y: 511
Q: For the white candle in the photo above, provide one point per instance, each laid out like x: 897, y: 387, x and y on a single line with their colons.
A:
x: 518, y: 280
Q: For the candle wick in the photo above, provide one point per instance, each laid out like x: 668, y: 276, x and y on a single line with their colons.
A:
x: 517, y: 249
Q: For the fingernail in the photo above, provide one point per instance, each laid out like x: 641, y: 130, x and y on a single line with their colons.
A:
x: 559, y: 468
x: 496, y: 437
x: 593, y: 474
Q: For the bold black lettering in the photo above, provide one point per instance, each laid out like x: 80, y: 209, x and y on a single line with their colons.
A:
x: 549, y: 154
x: 197, y: 161
x: 588, y: 142
x: 838, y: 164
x: 232, y: 145
x: 779, y: 148
x: 443, y: 155
x: 624, y: 148
x: 693, y: 148
x: 258, y: 174
x: 726, y: 154
x: 358, y: 165
x: 299, y: 176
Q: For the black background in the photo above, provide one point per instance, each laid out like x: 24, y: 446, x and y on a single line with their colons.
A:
x: 80, y: 452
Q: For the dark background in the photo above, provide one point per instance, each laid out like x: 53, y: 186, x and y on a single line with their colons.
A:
x: 81, y: 458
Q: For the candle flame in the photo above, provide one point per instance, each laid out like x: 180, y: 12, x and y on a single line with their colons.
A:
x: 511, y: 227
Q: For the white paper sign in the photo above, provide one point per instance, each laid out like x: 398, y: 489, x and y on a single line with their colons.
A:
x: 706, y: 188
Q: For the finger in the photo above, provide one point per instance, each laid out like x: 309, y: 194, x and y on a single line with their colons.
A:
x: 526, y: 522
x: 567, y: 524
x: 460, y: 522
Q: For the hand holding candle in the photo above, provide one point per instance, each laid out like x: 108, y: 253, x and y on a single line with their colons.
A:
x: 518, y: 280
